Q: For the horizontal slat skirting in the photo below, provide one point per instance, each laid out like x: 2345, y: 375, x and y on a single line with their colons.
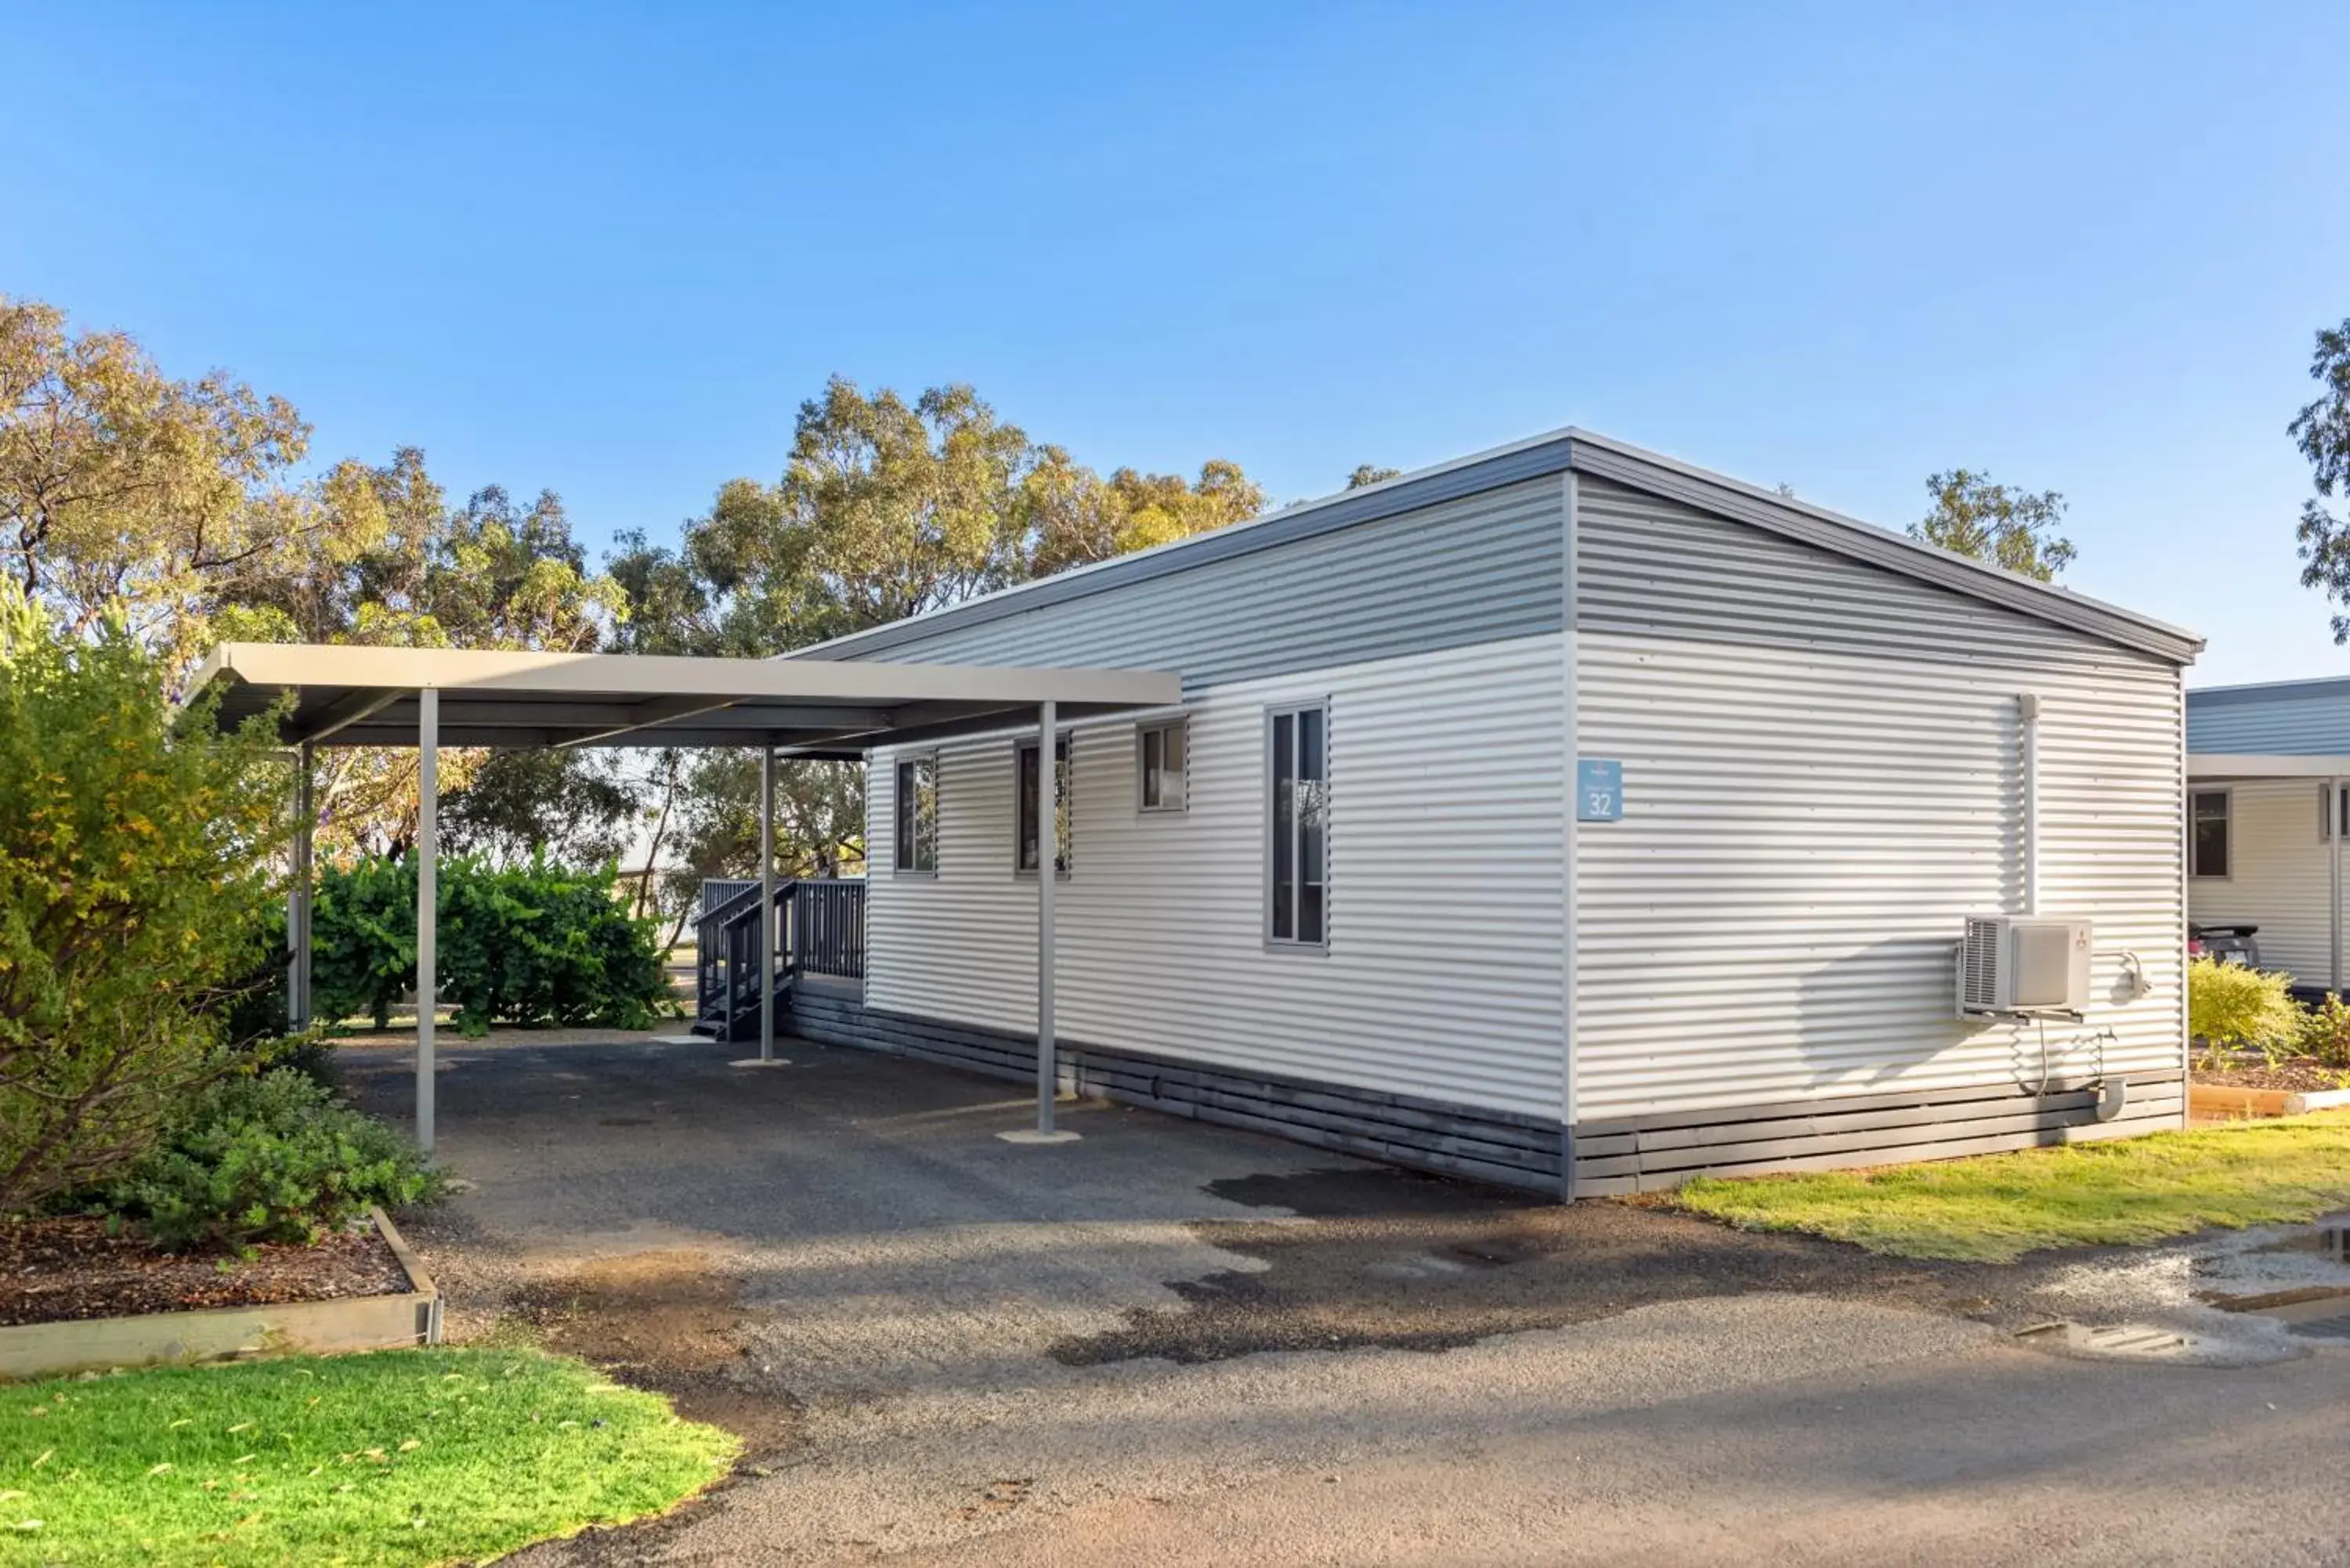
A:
x: 1497, y: 1146
x: 1648, y: 1161
x: 1842, y: 1103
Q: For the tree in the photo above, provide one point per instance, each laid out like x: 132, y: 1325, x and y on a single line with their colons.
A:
x: 124, y: 492
x: 886, y: 509
x: 136, y: 895
x: 1075, y: 517
x: 2322, y: 431
x: 2010, y: 528
x: 1371, y: 474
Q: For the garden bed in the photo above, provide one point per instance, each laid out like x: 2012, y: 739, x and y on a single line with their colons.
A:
x: 67, y: 1269
x: 73, y: 1298
x: 2254, y: 1086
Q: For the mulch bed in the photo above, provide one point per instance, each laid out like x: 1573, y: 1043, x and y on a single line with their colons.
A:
x: 57, y: 1271
x: 2302, y: 1076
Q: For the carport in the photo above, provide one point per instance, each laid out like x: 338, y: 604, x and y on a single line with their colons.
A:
x: 345, y: 695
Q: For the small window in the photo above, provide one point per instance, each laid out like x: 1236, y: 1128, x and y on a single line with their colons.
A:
x: 2341, y: 819
x: 1161, y: 759
x: 1026, y: 772
x: 2207, y: 838
x: 1298, y: 813
x: 917, y: 839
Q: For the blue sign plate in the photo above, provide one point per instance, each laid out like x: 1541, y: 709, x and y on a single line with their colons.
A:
x: 1598, y: 790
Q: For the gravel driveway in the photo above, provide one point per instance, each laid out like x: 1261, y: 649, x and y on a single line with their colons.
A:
x: 1147, y: 1343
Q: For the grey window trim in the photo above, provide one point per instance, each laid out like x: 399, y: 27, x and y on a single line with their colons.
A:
x: 1179, y: 724
x: 898, y: 766
x: 2227, y: 814
x: 2325, y: 831
x: 1291, y: 944
x: 1065, y: 742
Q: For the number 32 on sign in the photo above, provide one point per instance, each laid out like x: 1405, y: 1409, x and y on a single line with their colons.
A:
x: 1598, y: 790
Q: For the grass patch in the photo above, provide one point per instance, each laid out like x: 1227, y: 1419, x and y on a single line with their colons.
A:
x: 1995, y: 1208
x: 400, y: 1456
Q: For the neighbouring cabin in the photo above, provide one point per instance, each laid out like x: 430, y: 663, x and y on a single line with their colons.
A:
x: 1563, y: 817
x: 2268, y: 803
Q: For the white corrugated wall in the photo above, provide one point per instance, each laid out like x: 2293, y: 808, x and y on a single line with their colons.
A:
x: 2280, y: 875
x: 1442, y: 979
x: 1821, y: 778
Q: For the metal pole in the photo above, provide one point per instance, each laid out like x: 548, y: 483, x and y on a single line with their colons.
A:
x: 1048, y: 845
x: 767, y: 921
x: 298, y: 893
x: 2333, y: 904
x: 428, y: 900
x: 1048, y: 855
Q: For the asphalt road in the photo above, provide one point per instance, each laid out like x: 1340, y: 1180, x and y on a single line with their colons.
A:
x: 1176, y: 1343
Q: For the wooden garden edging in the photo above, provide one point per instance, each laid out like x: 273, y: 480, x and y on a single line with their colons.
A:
x: 351, y: 1323
x: 2219, y: 1100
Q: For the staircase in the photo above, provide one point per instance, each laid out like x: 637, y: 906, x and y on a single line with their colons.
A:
x: 821, y: 923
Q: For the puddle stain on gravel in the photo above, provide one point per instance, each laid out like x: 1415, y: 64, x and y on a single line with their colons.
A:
x: 672, y: 1320
x: 1371, y: 1257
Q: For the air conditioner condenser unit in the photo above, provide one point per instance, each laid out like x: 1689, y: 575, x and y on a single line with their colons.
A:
x: 2025, y: 964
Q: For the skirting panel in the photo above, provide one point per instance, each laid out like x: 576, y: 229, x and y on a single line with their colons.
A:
x: 1647, y: 1153
x: 1455, y: 1141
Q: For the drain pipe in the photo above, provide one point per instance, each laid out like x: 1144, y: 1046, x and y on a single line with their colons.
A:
x: 2027, y: 708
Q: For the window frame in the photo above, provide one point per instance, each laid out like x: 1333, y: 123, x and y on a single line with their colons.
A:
x: 1293, y: 943
x: 901, y: 766
x: 2227, y: 796
x: 1064, y: 750
x: 1179, y: 726
x: 2341, y: 818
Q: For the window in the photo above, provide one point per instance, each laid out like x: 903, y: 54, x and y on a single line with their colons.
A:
x: 1027, y: 790
x: 2206, y: 852
x: 1298, y: 775
x: 916, y: 846
x: 1160, y: 762
x: 2325, y: 831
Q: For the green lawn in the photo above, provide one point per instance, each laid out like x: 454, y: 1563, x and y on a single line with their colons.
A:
x: 401, y: 1457
x: 1995, y: 1208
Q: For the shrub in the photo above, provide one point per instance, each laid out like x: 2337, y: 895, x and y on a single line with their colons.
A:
x: 2229, y: 1007
x: 532, y: 945
x: 137, y: 882
x: 270, y: 1158
x: 2326, y: 1033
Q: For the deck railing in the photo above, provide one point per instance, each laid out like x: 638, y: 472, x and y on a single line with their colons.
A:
x: 823, y: 928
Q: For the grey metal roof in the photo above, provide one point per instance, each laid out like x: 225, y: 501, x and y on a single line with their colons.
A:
x: 360, y: 696
x: 1555, y: 452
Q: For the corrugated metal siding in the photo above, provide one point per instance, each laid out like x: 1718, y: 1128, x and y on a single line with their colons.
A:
x: 1647, y: 566
x: 1443, y: 974
x: 2280, y: 875
x: 2311, y: 725
x: 1481, y: 569
x: 1775, y: 917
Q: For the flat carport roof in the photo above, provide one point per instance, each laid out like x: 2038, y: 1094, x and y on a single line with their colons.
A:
x: 343, y: 695
x: 360, y: 696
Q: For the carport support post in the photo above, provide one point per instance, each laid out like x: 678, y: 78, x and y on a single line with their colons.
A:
x: 1048, y: 852
x: 2333, y: 904
x: 768, y: 933
x: 428, y: 900
x: 297, y: 895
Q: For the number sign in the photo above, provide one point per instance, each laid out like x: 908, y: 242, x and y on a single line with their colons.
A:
x: 1598, y: 790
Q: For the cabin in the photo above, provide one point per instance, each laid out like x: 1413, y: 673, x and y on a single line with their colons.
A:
x: 2268, y: 800
x: 1564, y: 816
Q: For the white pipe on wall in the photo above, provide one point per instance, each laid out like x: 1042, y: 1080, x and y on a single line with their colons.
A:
x: 2027, y: 708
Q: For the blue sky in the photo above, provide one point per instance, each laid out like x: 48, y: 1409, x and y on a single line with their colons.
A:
x: 609, y: 250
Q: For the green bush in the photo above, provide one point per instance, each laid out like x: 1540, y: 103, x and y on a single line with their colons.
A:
x: 272, y: 1158
x: 137, y: 877
x: 2326, y: 1033
x: 532, y: 945
x: 2229, y: 1007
